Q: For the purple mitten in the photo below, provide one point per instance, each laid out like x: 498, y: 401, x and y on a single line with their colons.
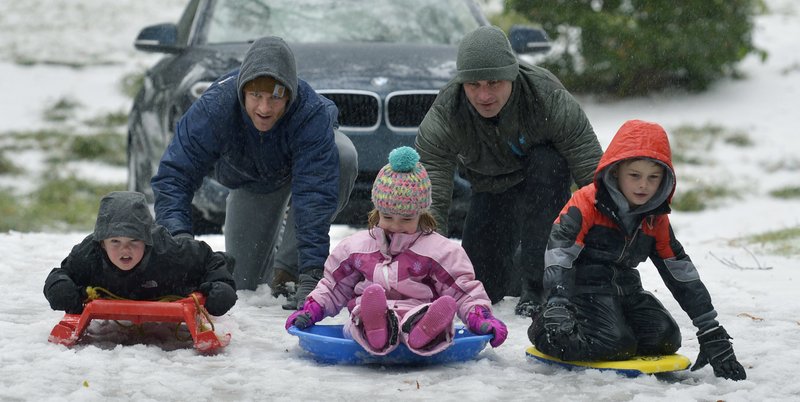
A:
x: 311, y: 313
x: 481, y: 321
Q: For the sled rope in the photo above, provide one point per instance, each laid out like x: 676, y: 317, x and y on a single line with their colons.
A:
x: 94, y: 293
x: 202, y: 310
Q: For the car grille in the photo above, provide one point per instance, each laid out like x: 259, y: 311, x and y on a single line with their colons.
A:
x: 358, y: 110
x: 406, y: 109
x: 363, y: 110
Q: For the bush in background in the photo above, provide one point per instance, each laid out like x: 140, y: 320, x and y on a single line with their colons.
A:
x: 634, y: 47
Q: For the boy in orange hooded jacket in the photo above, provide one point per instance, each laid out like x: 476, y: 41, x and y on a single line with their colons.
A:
x: 596, y: 307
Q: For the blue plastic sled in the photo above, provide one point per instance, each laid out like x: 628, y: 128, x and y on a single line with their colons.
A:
x: 327, y: 344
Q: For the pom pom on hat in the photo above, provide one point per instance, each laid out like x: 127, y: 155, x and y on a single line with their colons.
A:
x: 402, y: 187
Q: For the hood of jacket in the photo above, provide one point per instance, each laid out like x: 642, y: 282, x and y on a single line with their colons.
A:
x: 124, y: 213
x: 269, y: 56
x: 637, y: 139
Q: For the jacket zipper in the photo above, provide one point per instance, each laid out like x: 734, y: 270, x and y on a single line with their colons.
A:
x: 621, y: 256
x: 386, y: 275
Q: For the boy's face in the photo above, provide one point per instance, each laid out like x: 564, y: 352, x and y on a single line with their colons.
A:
x: 398, y: 224
x: 488, y: 97
x: 124, y: 252
x: 639, y: 180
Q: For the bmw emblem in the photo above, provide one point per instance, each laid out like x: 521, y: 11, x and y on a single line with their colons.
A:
x: 379, y: 81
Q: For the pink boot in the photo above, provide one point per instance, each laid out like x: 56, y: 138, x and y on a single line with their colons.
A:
x: 436, y: 320
x: 373, y: 316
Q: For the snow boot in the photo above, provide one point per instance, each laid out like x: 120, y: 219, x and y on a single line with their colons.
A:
x: 373, y: 316
x: 280, y: 283
x: 435, y: 320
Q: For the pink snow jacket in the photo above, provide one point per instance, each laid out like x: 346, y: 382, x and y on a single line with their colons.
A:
x: 414, y: 269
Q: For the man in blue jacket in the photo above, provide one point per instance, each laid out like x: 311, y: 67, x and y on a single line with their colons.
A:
x: 268, y: 136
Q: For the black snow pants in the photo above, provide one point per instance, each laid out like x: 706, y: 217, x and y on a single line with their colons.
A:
x: 522, y: 216
x: 612, y: 328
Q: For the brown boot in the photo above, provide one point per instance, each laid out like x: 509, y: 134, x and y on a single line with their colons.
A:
x: 280, y: 279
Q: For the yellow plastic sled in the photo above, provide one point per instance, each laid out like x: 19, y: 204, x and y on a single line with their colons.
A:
x: 632, y: 368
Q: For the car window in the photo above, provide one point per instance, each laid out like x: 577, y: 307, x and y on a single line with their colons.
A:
x: 318, y: 21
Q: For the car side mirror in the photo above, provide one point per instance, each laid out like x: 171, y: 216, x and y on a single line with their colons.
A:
x: 160, y: 38
x: 525, y: 39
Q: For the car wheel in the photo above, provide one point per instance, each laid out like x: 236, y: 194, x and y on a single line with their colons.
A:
x: 138, y: 168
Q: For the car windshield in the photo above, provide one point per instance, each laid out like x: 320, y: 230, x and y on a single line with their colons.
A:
x: 317, y: 21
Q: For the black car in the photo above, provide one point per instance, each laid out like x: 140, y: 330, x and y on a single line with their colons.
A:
x: 381, y: 61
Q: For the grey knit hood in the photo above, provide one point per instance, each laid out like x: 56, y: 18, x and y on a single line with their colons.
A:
x: 631, y: 217
x: 486, y: 54
x: 124, y: 213
x: 269, y: 56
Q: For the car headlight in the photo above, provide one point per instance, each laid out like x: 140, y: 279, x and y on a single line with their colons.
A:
x: 198, y: 88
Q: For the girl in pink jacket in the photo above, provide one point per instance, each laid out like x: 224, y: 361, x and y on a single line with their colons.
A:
x: 400, y: 280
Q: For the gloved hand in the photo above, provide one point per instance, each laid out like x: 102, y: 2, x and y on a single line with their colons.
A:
x: 183, y: 235
x: 220, y: 297
x: 65, y: 295
x: 309, y: 315
x: 559, y: 317
x: 715, y: 348
x: 481, y: 321
x: 230, y: 262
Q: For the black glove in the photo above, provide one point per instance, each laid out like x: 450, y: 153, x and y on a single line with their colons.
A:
x: 559, y: 318
x: 220, y: 297
x: 65, y: 295
x: 230, y: 262
x: 182, y: 236
x: 715, y: 348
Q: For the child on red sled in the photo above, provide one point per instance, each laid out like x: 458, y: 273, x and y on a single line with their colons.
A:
x: 133, y: 258
x: 596, y: 307
x: 401, y: 281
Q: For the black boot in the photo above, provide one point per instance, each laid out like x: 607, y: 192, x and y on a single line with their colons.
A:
x: 280, y: 283
x: 308, y: 281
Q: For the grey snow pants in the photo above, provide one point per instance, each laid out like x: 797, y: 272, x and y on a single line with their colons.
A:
x: 260, y: 233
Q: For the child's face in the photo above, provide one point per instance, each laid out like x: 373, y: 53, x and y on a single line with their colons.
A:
x: 124, y: 252
x: 398, y: 224
x: 639, y: 180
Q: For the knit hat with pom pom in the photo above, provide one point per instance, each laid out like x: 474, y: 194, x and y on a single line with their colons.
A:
x: 402, y: 187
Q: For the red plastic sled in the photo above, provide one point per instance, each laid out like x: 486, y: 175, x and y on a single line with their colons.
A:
x: 70, y: 329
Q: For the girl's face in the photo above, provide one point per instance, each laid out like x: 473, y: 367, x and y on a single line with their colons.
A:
x: 124, y: 252
x: 639, y: 180
x: 398, y: 224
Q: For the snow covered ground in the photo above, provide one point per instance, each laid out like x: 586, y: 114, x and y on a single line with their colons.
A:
x: 759, y: 307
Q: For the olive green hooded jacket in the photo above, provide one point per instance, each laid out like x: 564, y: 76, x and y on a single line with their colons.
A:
x: 492, y: 153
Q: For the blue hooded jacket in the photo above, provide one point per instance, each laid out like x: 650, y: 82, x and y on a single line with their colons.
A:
x: 217, y: 136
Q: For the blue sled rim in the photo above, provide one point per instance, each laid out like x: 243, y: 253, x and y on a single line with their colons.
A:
x: 327, y: 344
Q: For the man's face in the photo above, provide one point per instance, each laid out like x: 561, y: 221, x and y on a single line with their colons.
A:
x: 488, y: 97
x: 264, y: 108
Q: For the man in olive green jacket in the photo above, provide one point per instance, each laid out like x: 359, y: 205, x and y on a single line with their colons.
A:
x: 520, y: 139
